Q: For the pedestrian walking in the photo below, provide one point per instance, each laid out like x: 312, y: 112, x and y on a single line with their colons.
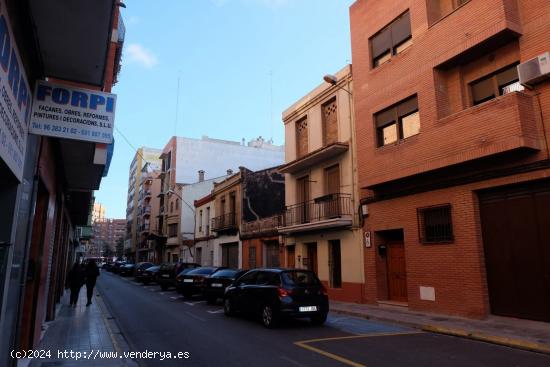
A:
x: 75, y: 280
x: 92, y: 272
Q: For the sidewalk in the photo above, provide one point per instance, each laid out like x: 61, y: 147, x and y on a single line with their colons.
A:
x: 516, y: 333
x: 81, y: 329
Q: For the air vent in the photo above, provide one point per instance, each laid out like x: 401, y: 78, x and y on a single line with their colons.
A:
x: 535, y: 70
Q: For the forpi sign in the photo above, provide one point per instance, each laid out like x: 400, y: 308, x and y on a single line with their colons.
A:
x: 72, y: 113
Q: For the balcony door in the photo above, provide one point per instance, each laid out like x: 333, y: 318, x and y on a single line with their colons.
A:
x: 302, y: 198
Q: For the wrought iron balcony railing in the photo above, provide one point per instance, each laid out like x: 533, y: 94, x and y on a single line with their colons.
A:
x: 224, y: 222
x: 263, y: 225
x: 320, y: 209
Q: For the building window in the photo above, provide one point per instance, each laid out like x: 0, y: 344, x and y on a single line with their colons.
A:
x: 435, y: 224
x: 198, y: 255
x: 301, y: 137
x: 200, y: 221
x: 252, y: 257
x: 391, y: 40
x: 171, y: 207
x: 173, y: 230
x: 177, y: 204
x: 335, y: 264
x: 397, y: 122
x: 330, y: 122
x: 207, y: 221
x: 499, y: 83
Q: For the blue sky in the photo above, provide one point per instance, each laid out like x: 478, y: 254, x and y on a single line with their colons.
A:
x: 223, y: 52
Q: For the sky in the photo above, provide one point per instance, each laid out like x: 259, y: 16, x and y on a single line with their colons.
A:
x: 240, y: 64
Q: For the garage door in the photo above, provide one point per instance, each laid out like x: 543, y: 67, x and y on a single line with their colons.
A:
x: 516, y: 237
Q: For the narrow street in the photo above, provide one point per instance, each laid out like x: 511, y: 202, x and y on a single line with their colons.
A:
x: 157, y: 321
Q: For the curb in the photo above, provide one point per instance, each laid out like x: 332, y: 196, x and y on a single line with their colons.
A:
x: 493, y: 339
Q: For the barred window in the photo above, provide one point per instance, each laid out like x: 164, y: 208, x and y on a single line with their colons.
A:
x: 435, y: 224
x: 252, y: 257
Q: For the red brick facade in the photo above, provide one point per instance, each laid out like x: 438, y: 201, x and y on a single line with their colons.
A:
x: 502, y: 141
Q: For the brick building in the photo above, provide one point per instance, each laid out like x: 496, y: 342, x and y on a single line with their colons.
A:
x: 453, y: 155
x: 48, y: 167
x: 106, y: 233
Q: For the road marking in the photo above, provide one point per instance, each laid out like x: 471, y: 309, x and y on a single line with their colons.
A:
x: 291, y: 361
x: 216, y: 311
x: 194, y: 303
x: 180, y: 297
x: 305, y: 344
x: 161, y: 293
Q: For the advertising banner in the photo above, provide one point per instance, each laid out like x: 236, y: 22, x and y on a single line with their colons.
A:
x: 15, y: 101
x: 64, y: 111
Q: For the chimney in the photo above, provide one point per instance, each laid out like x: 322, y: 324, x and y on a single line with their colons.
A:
x: 229, y: 172
x: 201, y: 175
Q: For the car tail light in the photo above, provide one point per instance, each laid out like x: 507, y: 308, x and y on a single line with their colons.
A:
x: 283, y: 292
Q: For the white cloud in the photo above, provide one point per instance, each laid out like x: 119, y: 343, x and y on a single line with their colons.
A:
x: 132, y: 20
x: 139, y: 54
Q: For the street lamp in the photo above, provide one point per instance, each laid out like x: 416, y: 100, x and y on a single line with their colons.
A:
x: 333, y: 80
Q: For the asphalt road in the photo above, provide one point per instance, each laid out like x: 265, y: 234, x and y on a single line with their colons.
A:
x: 156, y: 321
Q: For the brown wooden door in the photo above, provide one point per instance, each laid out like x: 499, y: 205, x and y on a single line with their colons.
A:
x: 302, y: 196
x: 397, y: 274
x: 312, y: 257
x: 290, y: 257
x: 516, y: 237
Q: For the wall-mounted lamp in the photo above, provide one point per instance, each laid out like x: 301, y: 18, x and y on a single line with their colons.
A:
x: 333, y: 80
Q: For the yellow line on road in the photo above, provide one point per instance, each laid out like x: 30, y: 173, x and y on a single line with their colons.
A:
x: 305, y: 344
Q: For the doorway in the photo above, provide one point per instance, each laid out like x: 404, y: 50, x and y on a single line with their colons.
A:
x: 391, y: 250
x: 312, y: 256
x: 290, y: 256
x: 230, y: 255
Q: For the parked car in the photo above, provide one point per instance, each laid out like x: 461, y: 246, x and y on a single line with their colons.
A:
x: 166, y: 276
x: 140, y: 268
x: 126, y: 270
x: 117, y: 266
x: 217, y: 282
x: 107, y: 266
x: 149, y: 275
x: 276, y: 293
x: 193, y: 281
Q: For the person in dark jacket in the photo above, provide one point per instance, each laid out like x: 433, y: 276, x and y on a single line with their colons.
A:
x: 75, y: 280
x: 92, y: 272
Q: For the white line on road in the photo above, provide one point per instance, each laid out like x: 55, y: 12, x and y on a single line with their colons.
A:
x: 195, y: 316
x: 180, y: 297
x: 217, y: 311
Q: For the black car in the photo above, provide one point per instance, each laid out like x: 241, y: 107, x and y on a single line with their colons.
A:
x: 126, y: 270
x: 140, y: 268
x: 193, y: 281
x: 107, y: 266
x: 166, y: 276
x: 116, y: 267
x: 215, y: 284
x: 149, y: 275
x: 276, y: 293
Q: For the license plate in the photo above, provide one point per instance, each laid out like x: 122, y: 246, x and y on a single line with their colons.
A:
x: 188, y: 280
x: 308, y: 308
x: 165, y: 275
x: 217, y: 285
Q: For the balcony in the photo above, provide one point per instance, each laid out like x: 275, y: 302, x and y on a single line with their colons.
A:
x: 329, y: 211
x: 468, y: 35
x: 503, y: 124
x: 263, y: 226
x: 316, y: 157
x: 224, y: 222
x: 146, y: 210
x: 144, y: 227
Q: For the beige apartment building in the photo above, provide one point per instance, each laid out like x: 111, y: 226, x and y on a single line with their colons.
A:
x: 321, y: 222
x: 205, y: 210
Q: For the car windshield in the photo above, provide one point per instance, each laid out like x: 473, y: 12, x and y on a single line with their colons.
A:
x: 201, y: 271
x: 153, y: 268
x: 300, y: 278
x: 226, y: 273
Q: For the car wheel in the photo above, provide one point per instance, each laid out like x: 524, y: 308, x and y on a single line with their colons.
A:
x: 228, y: 308
x: 268, y: 317
x: 164, y: 287
x: 187, y: 294
x: 319, y: 319
x: 145, y: 282
x: 211, y: 300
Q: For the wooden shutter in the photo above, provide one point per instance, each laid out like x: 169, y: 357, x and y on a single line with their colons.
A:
x: 332, y: 175
x: 301, y: 138
x: 381, y: 43
x: 330, y: 122
x: 401, y: 29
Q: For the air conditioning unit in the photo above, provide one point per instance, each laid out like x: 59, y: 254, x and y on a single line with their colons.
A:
x: 534, y: 70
